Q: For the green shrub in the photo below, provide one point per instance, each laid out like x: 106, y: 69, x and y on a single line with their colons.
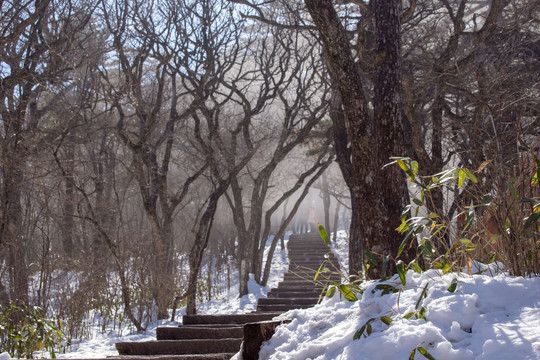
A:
x: 501, y: 228
x: 25, y: 330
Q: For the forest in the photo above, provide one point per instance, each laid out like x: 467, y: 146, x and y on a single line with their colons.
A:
x: 150, y: 148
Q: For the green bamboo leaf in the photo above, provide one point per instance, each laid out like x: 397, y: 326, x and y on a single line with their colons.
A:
x: 421, y: 313
x: 358, y: 334
x: 453, y: 285
x: 331, y: 291
x: 409, y: 315
x: 347, y: 293
x: 404, y: 242
x: 527, y: 200
x: 370, y: 256
x: 537, y: 175
x: 402, y: 165
x: 318, y: 271
x: 412, y: 354
x: 414, y: 167
x: 423, y: 295
x: 324, y: 235
x: 401, y: 272
x: 404, y: 226
x: 533, y: 218
x: 422, y: 350
x: 512, y: 188
x: 386, y: 289
x: 470, y: 175
x: 415, y: 267
x: 461, y: 178
x: 387, y: 320
x: 369, y: 329
x: 417, y: 202
x: 470, y: 219
x: 487, y: 199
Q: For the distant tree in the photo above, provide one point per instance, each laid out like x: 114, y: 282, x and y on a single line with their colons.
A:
x: 38, y: 45
x: 287, y: 72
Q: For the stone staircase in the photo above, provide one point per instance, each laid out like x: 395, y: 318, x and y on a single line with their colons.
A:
x: 218, y: 337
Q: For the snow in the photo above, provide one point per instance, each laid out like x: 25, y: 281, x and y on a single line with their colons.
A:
x: 491, y: 315
x: 487, y: 317
x: 102, y: 344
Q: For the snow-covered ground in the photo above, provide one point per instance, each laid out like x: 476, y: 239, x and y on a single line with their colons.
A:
x: 485, y: 318
x: 488, y: 316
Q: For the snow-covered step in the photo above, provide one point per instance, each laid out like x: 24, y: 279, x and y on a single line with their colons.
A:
x: 185, y: 332
x: 220, y: 356
x: 283, y: 307
x: 218, y: 337
x: 228, y: 318
x: 290, y: 301
x: 179, y: 347
x: 285, y: 293
x: 309, y: 275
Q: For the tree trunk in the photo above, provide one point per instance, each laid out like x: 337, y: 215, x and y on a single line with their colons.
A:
x: 199, y: 245
x: 12, y: 231
x: 393, y: 194
x: 69, y: 205
x: 325, y: 193
x: 336, y: 221
x: 285, y: 223
x: 378, y: 195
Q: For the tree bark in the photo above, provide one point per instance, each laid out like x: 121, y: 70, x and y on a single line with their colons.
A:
x: 377, y: 199
x: 199, y: 245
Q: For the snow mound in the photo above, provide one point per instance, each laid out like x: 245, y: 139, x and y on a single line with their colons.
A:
x: 485, y: 318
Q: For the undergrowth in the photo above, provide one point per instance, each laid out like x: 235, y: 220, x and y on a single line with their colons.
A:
x: 504, y: 228
x: 25, y: 330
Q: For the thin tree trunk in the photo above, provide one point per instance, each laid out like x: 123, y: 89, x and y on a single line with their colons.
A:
x: 336, y: 221
x: 326, y: 201
x: 292, y: 213
x: 12, y: 230
x: 199, y: 245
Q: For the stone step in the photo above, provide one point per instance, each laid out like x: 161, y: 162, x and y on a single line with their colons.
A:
x: 313, y: 233
x: 307, y: 267
x: 299, y: 282
x: 308, y: 245
x: 297, y: 253
x: 179, y: 347
x: 318, y: 259
x: 310, y: 273
x: 293, y: 252
x: 308, y: 241
x: 312, y: 265
x: 300, y: 288
x: 219, y: 356
x: 309, y: 277
x: 228, y: 318
x: 312, y: 260
x: 185, y: 332
x: 306, y: 262
x: 307, y: 248
x: 286, y: 293
x: 289, y: 301
x: 283, y: 307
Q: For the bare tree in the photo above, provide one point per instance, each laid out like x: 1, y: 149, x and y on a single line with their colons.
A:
x: 291, y: 73
x: 37, y: 42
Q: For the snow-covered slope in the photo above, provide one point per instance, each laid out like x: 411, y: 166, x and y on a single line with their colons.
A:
x: 487, y: 317
x: 492, y: 316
